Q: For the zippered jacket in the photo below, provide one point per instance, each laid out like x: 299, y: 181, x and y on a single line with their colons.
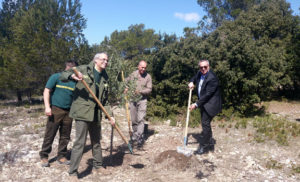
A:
x: 84, y: 106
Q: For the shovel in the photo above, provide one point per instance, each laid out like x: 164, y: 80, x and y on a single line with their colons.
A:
x: 127, y: 110
x: 184, y: 150
x: 105, y: 112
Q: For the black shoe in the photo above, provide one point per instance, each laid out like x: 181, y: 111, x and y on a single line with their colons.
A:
x: 140, y: 145
x: 211, y: 147
x: 140, y: 141
x: 201, y: 150
x: 204, y: 149
x: 212, y: 141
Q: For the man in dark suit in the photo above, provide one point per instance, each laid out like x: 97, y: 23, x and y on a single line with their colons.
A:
x: 209, y: 102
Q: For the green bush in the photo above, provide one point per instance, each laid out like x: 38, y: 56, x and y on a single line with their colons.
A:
x: 227, y: 114
x: 158, y: 108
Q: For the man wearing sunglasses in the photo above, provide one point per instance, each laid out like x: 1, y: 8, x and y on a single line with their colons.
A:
x: 209, y: 103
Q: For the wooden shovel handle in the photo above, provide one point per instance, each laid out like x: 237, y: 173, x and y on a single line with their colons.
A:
x: 188, y: 114
x: 100, y: 105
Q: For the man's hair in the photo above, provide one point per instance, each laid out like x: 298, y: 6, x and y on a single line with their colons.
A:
x: 203, y: 60
x: 98, y: 55
x: 71, y: 63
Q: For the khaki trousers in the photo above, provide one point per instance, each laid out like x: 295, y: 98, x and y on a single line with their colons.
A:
x: 137, y: 113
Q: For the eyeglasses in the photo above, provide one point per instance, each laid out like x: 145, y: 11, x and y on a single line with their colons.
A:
x: 102, y: 59
x: 203, y: 67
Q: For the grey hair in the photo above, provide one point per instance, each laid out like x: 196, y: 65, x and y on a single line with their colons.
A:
x: 203, y: 60
x: 98, y: 55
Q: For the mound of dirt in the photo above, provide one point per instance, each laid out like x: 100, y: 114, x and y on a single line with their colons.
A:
x: 172, y: 159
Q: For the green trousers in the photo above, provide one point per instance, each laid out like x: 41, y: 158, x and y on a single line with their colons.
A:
x: 82, y: 128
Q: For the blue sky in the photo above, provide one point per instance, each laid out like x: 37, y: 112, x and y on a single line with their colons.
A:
x: 165, y: 16
x: 106, y: 16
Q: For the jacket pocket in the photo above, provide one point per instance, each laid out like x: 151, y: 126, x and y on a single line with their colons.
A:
x: 82, y: 111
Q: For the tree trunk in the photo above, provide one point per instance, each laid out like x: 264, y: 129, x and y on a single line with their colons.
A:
x: 19, y: 96
x: 29, y: 96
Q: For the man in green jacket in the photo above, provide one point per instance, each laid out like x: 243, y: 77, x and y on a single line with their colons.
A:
x: 86, y: 112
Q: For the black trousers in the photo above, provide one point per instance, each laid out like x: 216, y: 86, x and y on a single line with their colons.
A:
x: 206, y: 127
x: 59, y: 121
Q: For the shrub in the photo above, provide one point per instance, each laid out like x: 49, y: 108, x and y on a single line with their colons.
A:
x: 274, y: 128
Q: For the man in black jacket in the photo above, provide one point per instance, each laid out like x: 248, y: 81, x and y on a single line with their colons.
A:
x: 209, y: 102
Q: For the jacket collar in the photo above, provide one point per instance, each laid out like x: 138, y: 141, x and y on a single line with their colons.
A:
x: 90, y: 71
x: 200, y: 74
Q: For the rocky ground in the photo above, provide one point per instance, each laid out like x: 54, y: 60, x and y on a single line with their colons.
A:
x: 237, y: 157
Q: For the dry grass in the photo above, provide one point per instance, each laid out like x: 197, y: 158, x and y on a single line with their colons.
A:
x: 267, y: 127
x: 273, y: 164
x: 275, y: 128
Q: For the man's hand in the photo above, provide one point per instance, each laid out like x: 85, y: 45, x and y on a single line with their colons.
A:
x: 112, y: 121
x: 48, y: 111
x: 193, y: 106
x: 191, y: 85
x: 77, y: 78
x: 46, y: 96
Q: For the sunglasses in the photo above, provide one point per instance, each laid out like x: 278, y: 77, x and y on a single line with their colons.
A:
x: 205, y: 67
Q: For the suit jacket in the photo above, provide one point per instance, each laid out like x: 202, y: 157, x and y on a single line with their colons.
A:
x: 210, y: 97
